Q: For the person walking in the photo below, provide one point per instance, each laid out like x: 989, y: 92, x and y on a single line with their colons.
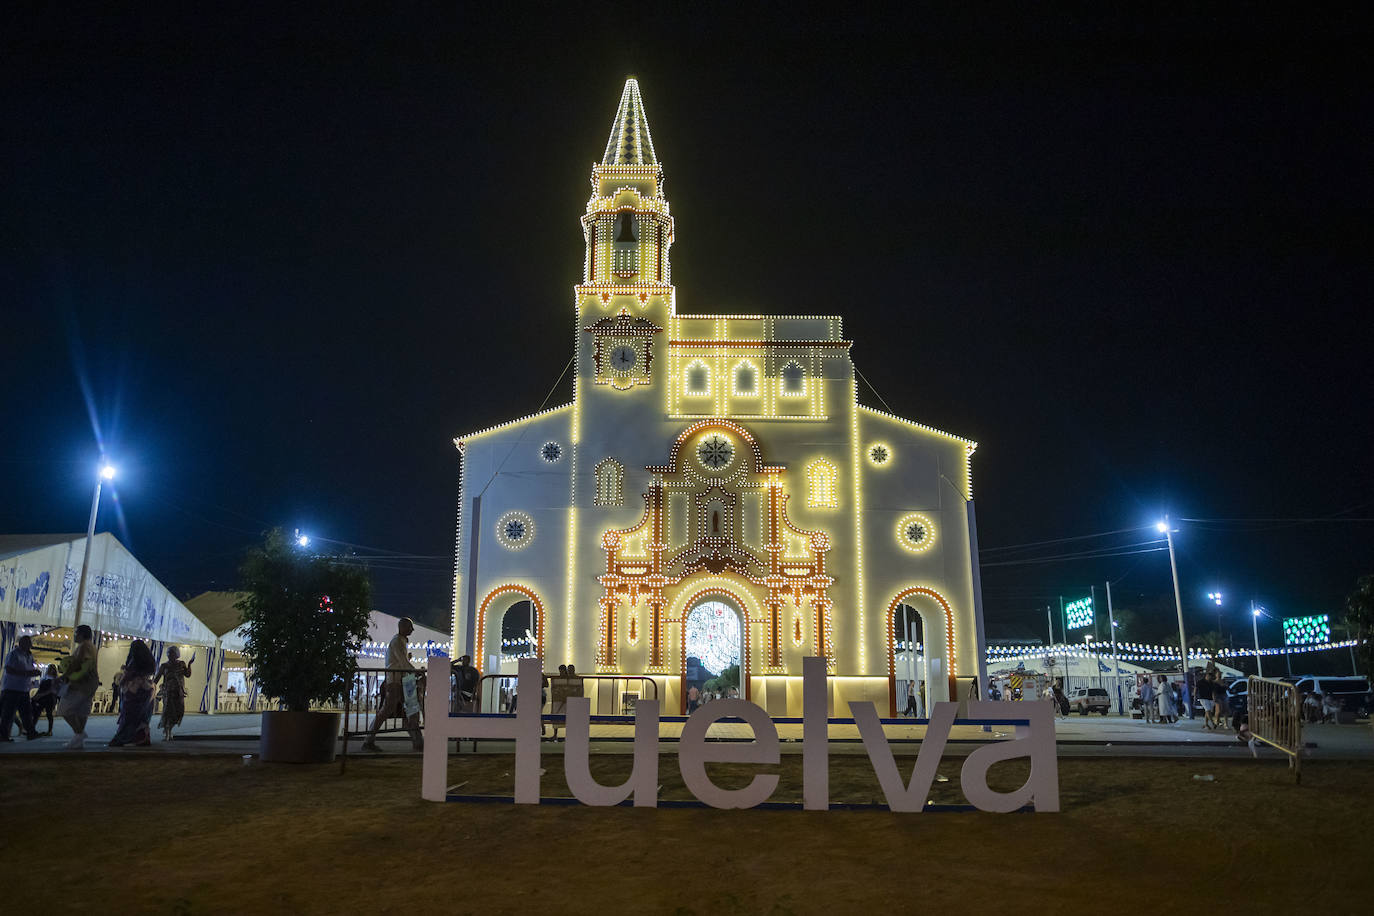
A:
x: 116, y: 682
x: 393, y: 689
x: 1149, y: 706
x: 1221, y: 699
x: 136, y: 698
x: 173, y: 675
x: 20, y: 670
x: 45, y: 700
x: 1205, y: 687
x: 1168, y: 709
x: 80, y: 671
x: 911, y: 700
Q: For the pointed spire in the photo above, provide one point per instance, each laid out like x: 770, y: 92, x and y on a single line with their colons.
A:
x: 630, y: 142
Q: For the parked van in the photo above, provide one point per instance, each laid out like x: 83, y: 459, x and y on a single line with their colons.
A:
x: 1352, y: 692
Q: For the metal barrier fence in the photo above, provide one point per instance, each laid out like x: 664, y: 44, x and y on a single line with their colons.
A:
x: 1275, y: 718
x: 611, y: 694
x: 382, y: 695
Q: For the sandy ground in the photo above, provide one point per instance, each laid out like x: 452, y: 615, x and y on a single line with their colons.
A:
x: 209, y: 834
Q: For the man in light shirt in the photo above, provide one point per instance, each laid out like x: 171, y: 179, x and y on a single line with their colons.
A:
x: 393, y: 689
x: 14, y: 689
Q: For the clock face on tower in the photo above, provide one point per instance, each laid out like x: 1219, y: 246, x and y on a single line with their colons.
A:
x: 623, y: 350
x: 623, y: 358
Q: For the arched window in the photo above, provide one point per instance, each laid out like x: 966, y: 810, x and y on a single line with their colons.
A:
x: 793, y: 379
x: 822, y: 485
x: 625, y: 251
x: 698, y: 379
x: 746, y: 379
x: 519, y: 631
x: 610, y: 483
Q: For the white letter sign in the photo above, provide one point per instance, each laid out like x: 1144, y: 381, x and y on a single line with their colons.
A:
x: 692, y: 757
x: 1036, y: 741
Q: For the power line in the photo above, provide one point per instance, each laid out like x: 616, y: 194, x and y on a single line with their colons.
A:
x: 1079, y: 537
x: 874, y: 390
x: 1090, y: 555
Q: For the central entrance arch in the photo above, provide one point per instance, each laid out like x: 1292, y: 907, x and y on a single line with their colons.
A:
x: 713, y: 649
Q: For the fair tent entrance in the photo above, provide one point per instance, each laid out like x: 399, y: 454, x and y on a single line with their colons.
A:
x: 711, y: 649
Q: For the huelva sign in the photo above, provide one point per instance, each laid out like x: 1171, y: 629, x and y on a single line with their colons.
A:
x: 1034, y: 740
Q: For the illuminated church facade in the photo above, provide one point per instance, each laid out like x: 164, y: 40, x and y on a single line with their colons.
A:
x: 717, y: 464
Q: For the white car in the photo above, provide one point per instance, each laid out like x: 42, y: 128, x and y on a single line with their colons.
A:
x: 1090, y: 699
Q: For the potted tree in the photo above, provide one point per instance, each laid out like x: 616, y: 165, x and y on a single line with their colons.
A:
x: 304, y: 617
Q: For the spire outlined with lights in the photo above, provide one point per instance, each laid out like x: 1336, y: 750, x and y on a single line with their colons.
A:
x: 630, y: 142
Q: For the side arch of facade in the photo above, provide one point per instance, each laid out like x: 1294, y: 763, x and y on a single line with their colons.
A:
x: 937, y: 638
x: 493, y: 608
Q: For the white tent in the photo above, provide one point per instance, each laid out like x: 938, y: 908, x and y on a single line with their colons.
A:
x: 38, y: 582
x: 381, y: 627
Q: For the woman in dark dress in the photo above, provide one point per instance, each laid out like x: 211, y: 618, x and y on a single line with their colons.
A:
x: 136, y: 702
x: 45, y: 700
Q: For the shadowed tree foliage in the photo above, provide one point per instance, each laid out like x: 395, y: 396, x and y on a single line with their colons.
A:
x: 305, y: 618
x: 1359, y: 618
x: 1210, y: 642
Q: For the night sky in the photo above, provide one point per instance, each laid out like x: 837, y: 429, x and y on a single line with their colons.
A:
x: 291, y: 256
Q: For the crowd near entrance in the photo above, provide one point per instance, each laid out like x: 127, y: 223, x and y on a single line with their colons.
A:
x: 712, y: 649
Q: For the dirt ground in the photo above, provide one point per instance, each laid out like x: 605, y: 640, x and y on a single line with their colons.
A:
x: 203, y: 834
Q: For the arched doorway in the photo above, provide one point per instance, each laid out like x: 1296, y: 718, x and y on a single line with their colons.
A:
x: 938, y: 666
x: 909, y: 660
x: 508, y: 606
x: 712, y: 650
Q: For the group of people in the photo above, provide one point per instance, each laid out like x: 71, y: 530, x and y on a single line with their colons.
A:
x: 1211, y: 696
x: 1317, y: 708
x: 69, y: 687
x: 1160, y: 700
x: 697, y: 697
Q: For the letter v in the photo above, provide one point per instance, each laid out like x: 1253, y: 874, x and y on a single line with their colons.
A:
x: 905, y: 797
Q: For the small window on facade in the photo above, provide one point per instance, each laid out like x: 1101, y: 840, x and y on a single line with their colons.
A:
x: 625, y: 228
x: 610, y: 483
x: 746, y: 379
x: 822, y: 485
x: 793, y: 379
x: 698, y: 379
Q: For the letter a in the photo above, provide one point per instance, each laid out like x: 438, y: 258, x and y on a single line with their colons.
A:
x: 1041, y: 787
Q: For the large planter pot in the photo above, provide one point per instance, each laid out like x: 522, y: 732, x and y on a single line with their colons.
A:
x: 299, y: 737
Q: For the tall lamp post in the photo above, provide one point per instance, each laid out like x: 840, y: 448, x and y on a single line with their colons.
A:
x: 107, y: 472
x: 1254, y: 628
x: 1164, y: 528
x: 1215, y: 598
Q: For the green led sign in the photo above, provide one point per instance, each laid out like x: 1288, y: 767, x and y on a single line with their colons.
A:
x: 1079, y: 613
x: 1301, y: 631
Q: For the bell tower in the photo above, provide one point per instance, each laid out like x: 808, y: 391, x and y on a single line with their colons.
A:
x: 627, y: 227
x: 625, y: 299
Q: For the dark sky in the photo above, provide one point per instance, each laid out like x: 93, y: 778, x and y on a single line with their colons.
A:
x: 291, y: 255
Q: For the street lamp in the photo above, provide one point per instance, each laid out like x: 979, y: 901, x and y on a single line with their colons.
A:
x: 107, y: 472
x: 1164, y: 528
x: 1254, y: 627
x: 1215, y: 598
